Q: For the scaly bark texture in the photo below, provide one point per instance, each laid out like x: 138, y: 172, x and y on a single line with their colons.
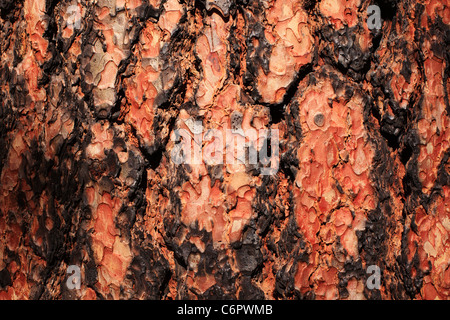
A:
x: 89, y: 102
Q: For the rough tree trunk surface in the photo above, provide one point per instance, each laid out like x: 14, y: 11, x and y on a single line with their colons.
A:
x: 89, y: 104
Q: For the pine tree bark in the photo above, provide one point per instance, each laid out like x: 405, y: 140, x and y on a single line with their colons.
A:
x: 92, y: 93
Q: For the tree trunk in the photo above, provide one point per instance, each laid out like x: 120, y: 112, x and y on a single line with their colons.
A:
x: 96, y: 95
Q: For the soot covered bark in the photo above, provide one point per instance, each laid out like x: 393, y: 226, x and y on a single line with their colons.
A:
x: 91, y: 94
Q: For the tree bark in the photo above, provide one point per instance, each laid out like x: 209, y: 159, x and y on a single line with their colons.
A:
x: 92, y: 94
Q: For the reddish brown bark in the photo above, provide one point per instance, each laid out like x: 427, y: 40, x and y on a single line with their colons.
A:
x: 90, y: 101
